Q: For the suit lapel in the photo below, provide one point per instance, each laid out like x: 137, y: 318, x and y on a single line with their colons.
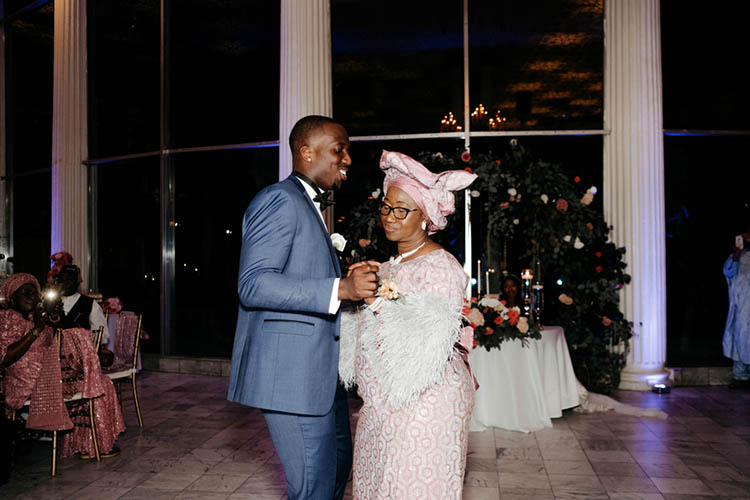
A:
x: 332, y: 251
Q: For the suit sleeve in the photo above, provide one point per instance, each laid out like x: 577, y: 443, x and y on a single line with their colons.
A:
x: 268, y: 233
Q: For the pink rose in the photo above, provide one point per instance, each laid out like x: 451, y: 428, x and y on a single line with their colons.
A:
x: 562, y: 205
x: 466, y: 156
x: 606, y: 321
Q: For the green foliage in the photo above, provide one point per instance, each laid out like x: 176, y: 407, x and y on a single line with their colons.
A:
x: 543, y: 212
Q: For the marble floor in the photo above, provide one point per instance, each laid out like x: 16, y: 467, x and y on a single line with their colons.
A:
x: 196, y: 445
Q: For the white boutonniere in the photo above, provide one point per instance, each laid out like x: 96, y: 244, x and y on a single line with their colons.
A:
x: 338, y: 242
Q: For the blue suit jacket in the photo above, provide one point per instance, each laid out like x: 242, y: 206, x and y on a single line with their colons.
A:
x: 286, y: 347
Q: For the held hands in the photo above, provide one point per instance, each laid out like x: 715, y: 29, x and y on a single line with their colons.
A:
x: 361, y: 282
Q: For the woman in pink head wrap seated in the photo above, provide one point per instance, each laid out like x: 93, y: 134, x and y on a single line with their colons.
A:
x: 406, y: 349
x: 26, y: 339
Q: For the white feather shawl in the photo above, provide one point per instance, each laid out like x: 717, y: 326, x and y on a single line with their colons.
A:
x: 408, y: 344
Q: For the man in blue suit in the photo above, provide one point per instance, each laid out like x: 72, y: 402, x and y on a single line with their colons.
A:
x: 285, y: 357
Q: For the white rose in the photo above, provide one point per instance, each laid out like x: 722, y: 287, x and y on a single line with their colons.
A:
x: 578, y: 244
x: 512, y: 191
x: 514, y: 142
x: 474, y: 194
x: 592, y: 190
x: 516, y: 221
x: 376, y: 193
x: 544, y: 198
x: 490, y: 302
x: 338, y: 241
x: 475, y: 317
x: 567, y: 238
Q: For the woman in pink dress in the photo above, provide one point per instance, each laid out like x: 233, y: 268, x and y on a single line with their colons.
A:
x: 406, y: 350
x: 25, y: 340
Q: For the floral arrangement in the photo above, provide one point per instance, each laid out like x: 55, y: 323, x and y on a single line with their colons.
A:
x: 494, y: 323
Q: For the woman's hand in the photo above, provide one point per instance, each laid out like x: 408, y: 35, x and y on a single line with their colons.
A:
x: 354, y: 266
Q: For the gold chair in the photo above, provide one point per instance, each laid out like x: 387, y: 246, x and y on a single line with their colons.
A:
x: 77, y: 406
x: 127, y: 342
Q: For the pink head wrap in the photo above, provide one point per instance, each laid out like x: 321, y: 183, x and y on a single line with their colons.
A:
x: 59, y: 259
x: 12, y: 283
x: 431, y: 192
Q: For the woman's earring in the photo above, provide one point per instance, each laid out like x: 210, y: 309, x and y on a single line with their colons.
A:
x: 424, y: 225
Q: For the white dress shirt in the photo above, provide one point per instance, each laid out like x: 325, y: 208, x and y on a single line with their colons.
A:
x: 96, y: 318
x: 335, y: 303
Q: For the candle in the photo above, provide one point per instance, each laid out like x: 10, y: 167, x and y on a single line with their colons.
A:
x: 487, y: 279
x: 479, y: 278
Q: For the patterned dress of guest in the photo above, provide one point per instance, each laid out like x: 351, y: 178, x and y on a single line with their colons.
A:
x: 79, y: 356
x: 417, y: 392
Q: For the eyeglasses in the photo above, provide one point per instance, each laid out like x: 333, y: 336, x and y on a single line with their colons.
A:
x: 399, y: 213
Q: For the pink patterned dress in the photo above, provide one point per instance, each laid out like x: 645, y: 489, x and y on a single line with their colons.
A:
x: 415, y: 450
x: 79, y: 356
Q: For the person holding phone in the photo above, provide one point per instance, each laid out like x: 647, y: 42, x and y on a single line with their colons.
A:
x: 736, y: 342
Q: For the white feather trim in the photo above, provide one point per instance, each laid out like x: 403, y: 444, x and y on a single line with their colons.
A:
x: 412, y: 345
x: 348, y: 345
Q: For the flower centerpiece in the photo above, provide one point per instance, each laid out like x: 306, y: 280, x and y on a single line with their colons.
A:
x: 494, y: 323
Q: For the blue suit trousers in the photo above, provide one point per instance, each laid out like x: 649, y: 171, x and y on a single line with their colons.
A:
x: 315, y: 451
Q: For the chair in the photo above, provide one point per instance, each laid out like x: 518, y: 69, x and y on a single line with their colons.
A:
x: 127, y: 342
x: 76, y: 406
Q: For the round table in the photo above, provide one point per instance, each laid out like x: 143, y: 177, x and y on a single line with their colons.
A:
x: 523, y: 388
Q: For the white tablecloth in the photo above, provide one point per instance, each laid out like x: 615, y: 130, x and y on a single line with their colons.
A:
x: 523, y: 388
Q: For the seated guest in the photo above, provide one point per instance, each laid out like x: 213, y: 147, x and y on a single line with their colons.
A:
x: 509, y: 291
x: 59, y: 259
x: 80, y: 311
x: 26, y: 334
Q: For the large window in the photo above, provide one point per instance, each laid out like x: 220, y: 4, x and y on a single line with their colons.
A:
x: 128, y: 238
x: 224, y: 72
x: 707, y: 200
x: 212, y: 192
x: 537, y: 65
x: 397, y: 66
x: 123, y: 63
x: 28, y: 46
x: 221, y: 88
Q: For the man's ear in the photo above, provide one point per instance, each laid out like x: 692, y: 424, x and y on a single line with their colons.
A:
x: 306, y: 153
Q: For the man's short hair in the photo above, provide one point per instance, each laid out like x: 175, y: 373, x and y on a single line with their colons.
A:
x: 304, y: 128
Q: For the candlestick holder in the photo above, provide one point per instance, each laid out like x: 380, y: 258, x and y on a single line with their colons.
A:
x: 537, y: 301
x: 526, y: 277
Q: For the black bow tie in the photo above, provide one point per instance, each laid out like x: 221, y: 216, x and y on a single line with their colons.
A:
x: 321, y: 197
